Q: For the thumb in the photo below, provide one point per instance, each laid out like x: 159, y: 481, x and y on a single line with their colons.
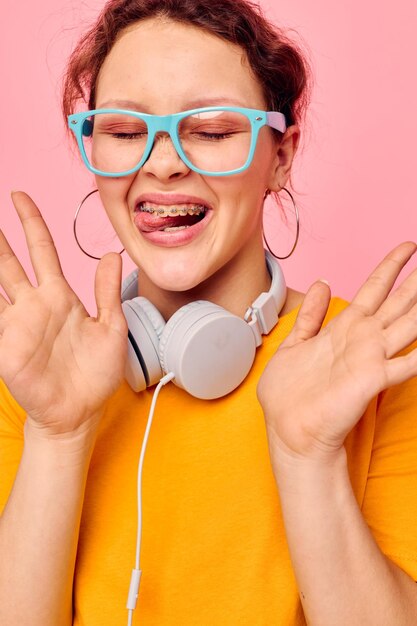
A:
x: 311, y: 314
x: 107, y: 288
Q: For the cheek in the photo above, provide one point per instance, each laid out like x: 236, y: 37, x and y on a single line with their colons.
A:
x: 265, y: 157
x: 113, y: 194
x: 246, y: 191
x: 113, y: 189
x: 243, y: 206
x: 249, y: 186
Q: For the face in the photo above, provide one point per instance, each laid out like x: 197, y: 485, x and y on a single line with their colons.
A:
x: 162, y: 67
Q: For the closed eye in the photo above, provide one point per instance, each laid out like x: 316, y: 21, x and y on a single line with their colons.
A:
x: 129, y: 135
x: 213, y: 136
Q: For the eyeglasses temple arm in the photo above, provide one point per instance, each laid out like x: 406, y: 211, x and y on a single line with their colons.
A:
x: 276, y: 120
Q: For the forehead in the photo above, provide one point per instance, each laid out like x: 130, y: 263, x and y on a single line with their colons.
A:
x: 165, y: 67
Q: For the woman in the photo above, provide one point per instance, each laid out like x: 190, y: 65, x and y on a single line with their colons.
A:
x: 242, y: 524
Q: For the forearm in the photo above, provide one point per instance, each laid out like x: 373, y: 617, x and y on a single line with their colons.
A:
x: 342, y: 575
x: 39, y: 531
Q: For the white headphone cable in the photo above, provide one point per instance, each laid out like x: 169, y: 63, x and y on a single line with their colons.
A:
x: 136, y: 572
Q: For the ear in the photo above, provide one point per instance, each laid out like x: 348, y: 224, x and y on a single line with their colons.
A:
x: 285, y: 152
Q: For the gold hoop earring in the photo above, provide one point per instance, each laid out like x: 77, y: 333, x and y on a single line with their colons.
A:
x: 297, y: 216
x: 75, y: 226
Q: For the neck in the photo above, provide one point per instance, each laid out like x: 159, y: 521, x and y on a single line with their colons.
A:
x: 234, y: 287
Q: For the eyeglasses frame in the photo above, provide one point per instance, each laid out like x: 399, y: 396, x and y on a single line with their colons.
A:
x: 169, y: 124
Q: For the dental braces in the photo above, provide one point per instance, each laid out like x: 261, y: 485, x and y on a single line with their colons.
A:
x: 175, y: 211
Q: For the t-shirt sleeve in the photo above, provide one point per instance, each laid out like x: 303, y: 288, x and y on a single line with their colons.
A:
x: 12, y: 418
x: 390, y: 501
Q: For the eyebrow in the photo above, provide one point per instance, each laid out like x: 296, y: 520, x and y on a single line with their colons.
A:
x: 193, y: 104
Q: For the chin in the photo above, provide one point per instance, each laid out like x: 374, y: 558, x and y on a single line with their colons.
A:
x: 175, y: 276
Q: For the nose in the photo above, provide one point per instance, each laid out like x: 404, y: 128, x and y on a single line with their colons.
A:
x: 164, y: 161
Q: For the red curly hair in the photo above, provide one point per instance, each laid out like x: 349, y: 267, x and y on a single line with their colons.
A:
x: 278, y: 63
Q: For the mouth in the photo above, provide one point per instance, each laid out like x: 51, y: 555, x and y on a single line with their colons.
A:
x: 174, y: 224
x: 151, y: 217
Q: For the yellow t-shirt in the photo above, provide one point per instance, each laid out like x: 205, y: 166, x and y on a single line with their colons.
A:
x: 214, y: 551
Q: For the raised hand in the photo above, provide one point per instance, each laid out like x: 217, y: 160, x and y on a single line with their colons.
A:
x: 320, y: 381
x: 60, y: 364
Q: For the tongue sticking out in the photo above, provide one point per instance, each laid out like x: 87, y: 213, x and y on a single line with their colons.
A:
x: 149, y: 222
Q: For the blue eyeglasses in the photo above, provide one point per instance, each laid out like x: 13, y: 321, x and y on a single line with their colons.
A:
x: 214, y: 141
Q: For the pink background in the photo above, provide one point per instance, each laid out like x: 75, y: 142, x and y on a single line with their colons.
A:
x: 355, y: 177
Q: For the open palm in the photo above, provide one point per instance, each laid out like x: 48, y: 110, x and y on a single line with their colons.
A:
x: 60, y: 364
x: 320, y: 381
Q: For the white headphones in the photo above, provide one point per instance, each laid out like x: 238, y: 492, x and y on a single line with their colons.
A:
x: 209, y: 350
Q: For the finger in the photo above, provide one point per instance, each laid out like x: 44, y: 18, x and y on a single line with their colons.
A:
x: 311, y: 314
x: 400, y: 301
x: 12, y: 275
x: 107, y: 292
x: 401, y: 368
x: 401, y: 333
x: 377, y: 287
x: 3, y: 303
x: 41, y: 246
x: 2, y: 318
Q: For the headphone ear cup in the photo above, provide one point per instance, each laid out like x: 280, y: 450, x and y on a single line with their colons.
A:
x: 146, y: 324
x: 209, y: 350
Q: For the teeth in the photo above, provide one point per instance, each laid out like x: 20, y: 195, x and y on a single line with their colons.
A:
x: 166, y: 211
x: 170, y: 229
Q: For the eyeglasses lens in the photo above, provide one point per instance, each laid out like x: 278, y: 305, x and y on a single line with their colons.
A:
x: 216, y: 141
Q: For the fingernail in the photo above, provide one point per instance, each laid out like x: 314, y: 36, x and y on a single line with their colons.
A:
x: 13, y: 191
x: 323, y: 280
